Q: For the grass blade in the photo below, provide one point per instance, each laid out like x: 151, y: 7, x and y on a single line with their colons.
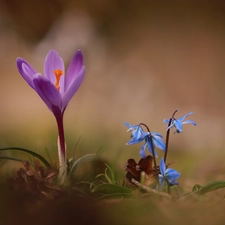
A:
x: 42, y: 159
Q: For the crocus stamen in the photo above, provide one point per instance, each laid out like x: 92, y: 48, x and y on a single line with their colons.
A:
x: 58, y: 73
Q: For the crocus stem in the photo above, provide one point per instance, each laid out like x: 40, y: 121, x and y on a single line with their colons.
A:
x: 61, y: 145
x: 168, y: 134
x: 153, y: 152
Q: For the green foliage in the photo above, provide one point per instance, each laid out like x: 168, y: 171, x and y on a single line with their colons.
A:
x: 109, y: 177
x: 32, y: 153
x: 199, y: 190
x: 196, y: 187
x: 212, y: 186
x: 111, y: 189
x: 108, y: 186
x: 75, y: 164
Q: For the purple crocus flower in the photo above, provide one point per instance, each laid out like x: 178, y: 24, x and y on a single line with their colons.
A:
x: 56, y: 87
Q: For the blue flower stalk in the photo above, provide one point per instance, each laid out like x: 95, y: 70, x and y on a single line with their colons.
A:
x: 56, y: 88
x: 168, y: 135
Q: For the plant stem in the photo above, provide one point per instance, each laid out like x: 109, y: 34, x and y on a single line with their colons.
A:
x: 168, y: 135
x: 61, y: 145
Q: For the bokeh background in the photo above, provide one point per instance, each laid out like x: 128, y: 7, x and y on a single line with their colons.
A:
x: 144, y: 59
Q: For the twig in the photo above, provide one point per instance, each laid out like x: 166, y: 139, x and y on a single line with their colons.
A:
x: 150, y: 190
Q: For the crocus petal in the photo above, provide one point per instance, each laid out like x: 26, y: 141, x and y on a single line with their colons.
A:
x: 48, y: 92
x: 162, y: 167
x: 71, y: 90
x: 183, y: 117
x: 26, y: 70
x: 189, y: 121
x: 75, y: 66
x: 54, y: 62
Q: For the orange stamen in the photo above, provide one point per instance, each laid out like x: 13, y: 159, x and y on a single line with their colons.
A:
x: 58, y: 73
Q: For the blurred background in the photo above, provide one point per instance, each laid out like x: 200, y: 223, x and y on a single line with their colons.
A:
x: 144, y: 59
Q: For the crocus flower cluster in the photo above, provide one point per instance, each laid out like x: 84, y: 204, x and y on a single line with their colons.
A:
x: 56, y: 88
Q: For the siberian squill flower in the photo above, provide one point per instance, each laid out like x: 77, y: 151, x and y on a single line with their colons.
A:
x: 56, y: 88
x: 167, y: 175
x: 177, y: 123
x: 151, y: 140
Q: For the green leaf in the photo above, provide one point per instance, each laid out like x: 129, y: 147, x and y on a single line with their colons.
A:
x: 112, y: 180
x: 111, y: 189
x: 100, y: 175
x: 196, y: 187
x: 85, y: 158
x: 14, y: 159
x: 212, y: 186
x: 42, y: 159
x: 107, y: 177
x: 114, y: 195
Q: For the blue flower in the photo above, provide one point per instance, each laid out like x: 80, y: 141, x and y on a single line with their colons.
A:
x: 151, y: 140
x: 177, y: 123
x: 167, y: 175
x: 137, y: 135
